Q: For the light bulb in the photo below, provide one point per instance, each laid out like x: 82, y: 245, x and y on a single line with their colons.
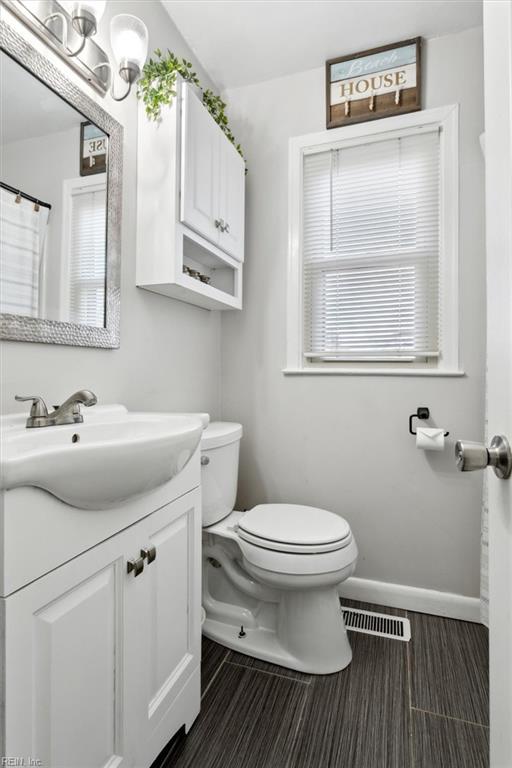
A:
x: 95, y: 7
x: 129, y: 40
x: 68, y: 5
x: 85, y: 15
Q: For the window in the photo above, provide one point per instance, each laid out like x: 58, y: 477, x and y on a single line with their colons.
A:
x: 373, y: 256
x: 85, y: 243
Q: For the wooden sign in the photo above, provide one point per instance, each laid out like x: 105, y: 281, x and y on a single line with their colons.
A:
x: 376, y: 83
x: 93, y: 149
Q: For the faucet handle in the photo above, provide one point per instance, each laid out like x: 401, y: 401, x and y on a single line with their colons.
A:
x: 38, y: 405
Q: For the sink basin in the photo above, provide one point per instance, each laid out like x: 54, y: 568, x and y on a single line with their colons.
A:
x: 113, y: 456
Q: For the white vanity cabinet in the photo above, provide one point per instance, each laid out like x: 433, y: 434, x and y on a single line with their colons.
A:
x: 166, y: 627
x: 102, y: 663
x: 190, y: 205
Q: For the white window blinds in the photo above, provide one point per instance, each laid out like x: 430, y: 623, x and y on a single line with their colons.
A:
x: 371, y: 250
x: 87, y: 257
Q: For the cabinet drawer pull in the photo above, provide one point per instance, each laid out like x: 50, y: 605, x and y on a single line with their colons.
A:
x: 136, y: 565
x: 148, y: 553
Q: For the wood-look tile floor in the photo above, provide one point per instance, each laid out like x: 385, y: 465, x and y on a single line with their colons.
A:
x: 422, y: 704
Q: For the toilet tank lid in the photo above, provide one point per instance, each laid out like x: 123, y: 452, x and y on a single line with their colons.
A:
x: 219, y: 433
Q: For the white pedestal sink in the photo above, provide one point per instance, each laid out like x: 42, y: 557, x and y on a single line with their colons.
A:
x: 113, y: 456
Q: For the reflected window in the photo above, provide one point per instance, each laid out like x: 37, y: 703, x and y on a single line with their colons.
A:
x: 84, y: 222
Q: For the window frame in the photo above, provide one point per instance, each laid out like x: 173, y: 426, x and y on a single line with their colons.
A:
x: 446, y: 120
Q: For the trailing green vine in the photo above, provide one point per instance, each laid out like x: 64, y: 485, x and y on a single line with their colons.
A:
x: 157, y: 88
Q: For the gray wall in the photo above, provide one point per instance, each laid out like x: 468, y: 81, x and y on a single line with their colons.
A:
x: 170, y: 352
x: 341, y: 442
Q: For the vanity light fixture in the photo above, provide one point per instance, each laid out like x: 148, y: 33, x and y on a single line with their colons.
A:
x: 85, y: 17
x: 129, y: 41
x: 128, y: 37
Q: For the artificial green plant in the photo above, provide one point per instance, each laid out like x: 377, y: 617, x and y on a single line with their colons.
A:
x: 157, y: 88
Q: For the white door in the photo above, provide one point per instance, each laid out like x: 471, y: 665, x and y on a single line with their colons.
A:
x: 169, y: 622
x: 231, y: 200
x: 199, y: 168
x: 498, y: 162
x: 64, y: 672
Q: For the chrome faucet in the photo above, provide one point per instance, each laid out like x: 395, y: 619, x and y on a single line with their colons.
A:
x: 67, y: 413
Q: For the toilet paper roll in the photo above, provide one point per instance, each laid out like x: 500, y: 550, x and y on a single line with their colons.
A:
x: 430, y: 439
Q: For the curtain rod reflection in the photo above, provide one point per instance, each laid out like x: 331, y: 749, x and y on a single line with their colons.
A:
x: 20, y: 194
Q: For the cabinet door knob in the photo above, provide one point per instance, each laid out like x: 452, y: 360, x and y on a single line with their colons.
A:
x: 136, y: 565
x: 148, y: 553
x: 226, y: 227
x: 219, y: 224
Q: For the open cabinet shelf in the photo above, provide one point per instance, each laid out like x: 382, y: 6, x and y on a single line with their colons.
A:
x: 224, y: 291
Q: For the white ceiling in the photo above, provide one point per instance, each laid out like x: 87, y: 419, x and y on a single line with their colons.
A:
x: 30, y: 108
x: 246, y: 41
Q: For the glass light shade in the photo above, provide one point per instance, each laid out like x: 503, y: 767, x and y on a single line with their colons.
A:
x: 95, y: 7
x: 129, y: 39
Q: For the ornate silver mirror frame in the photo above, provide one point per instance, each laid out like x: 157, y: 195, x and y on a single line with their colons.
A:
x: 19, y: 327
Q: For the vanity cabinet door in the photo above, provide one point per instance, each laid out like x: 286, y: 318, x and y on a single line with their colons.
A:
x: 64, y: 667
x: 231, y: 200
x: 170, y: 623
x: 199, y: 168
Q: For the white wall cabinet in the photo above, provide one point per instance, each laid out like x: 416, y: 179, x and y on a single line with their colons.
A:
x: 212, y: 179
x: 231, y: 199
x: 190, y: 205
x: 200, y: 167
x: 102, y: 665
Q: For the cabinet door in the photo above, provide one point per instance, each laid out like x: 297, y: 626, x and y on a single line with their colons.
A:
x: 169, y: 620
x: 231, y: 200
x: 64, y: 677
x: 199, y: 167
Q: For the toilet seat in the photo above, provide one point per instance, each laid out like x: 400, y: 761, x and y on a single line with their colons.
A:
x: 294, y: 529
x: 296, y: 549
x: 294, y: 539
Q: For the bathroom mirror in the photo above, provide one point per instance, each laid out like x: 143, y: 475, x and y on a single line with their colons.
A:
x: 60, y: 205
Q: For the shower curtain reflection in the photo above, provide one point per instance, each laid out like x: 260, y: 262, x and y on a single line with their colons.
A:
x: 23, y: 228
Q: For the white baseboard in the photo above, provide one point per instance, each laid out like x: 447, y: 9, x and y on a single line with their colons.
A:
x: 412, y: 598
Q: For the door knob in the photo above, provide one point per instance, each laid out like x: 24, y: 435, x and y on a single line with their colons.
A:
x: 471, y: 456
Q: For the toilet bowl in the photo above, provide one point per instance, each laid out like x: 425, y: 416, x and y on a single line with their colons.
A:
x: 271, y: 574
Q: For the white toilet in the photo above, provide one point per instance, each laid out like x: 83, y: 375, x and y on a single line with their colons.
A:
x: 270, y: 575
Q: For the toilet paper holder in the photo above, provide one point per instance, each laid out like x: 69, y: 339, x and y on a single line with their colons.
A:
x: 422, y: 413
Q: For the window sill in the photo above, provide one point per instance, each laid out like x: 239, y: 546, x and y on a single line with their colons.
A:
x: 375, y: 372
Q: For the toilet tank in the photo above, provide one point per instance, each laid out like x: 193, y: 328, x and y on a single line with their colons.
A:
x: 220, y: 446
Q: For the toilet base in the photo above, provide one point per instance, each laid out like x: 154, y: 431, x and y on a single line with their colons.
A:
x: 308, y: 632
